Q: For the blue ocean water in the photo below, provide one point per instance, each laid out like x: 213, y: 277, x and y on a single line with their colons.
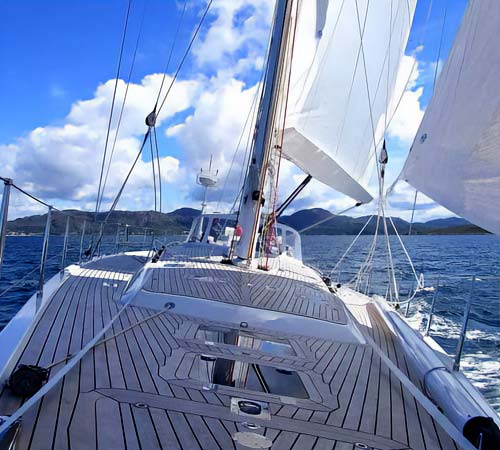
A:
x: 449, y: 260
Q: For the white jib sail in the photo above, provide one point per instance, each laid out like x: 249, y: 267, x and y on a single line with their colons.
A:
x: 334, y: 107
x: 455, y: 158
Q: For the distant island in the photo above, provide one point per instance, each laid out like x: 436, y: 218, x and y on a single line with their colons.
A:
x: 179, y: 222
x: 345, y: 225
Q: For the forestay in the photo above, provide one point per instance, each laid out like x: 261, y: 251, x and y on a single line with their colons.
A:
x: 336, y: 110
x: 455, y: 158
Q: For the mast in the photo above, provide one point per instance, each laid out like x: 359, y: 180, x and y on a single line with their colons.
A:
x: 252, y: 201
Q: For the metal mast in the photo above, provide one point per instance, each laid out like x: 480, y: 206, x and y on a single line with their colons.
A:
x: 252, y: 200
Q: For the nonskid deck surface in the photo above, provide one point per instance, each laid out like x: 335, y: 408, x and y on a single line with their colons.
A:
x: 184, y: 272
x: 140, y: 390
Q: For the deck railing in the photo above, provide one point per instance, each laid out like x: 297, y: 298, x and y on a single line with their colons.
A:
x: 461, y: 293
x: 95, y: 239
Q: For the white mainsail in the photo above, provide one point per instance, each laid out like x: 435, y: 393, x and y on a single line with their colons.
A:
x: 331, y: 124
x: 455, y: 158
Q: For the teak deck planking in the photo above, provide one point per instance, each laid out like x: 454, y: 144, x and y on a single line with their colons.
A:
x: 135, y: 391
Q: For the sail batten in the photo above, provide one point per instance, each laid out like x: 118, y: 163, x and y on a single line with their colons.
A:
x: 455, y: 158
x: 345, y: 64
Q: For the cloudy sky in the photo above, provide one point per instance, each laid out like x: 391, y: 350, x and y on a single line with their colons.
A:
x: 57, y: 79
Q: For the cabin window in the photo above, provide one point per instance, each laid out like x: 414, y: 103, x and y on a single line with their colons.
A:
x: 221, y: 230
x: 264, y: 344
x: 248, y: 376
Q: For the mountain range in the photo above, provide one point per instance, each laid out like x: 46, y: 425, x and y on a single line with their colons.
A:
x: 179, y: 221
x: 335, y: 225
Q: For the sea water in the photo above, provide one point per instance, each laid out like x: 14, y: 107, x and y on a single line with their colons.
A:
x: 447, y: 263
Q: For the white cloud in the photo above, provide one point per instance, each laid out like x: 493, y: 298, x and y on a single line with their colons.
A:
x: 61, y: 164
x: 409, y: 113
x: 238, y: 24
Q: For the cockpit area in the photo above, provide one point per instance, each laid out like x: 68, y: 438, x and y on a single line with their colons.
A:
x: 223, y: 229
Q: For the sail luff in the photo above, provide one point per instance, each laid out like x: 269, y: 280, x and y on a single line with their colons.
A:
x: 455, y: 157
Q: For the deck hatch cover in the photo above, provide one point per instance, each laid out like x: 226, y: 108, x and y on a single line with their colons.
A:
x: 245, y: 339
x: 212, y: 370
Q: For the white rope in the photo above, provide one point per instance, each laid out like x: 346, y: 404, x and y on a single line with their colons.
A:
x: 9, y: 421
x: 390, y: 266
x: 369, y: 257
x: 351, y: 245
x: 413, y: 211
x: 427, y: 404
x: 419, y: 286
x: 328, y: 218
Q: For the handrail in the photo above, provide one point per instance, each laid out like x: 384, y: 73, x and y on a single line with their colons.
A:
x: 149, y: 232
x: 465, y: 319
x: 463, y: 331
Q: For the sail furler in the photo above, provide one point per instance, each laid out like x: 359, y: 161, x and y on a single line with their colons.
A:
x: 346, y: 57
x: 455, y: 158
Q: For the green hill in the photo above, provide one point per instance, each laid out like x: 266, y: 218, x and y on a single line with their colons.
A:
x: 179, y: 221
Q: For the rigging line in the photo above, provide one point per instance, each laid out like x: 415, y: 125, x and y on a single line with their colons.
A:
x: 390, y: 265
x: 388, y: 74
x: 186, y: 53
x: 440, y: 47
x: 421, y: 40
x: 250, y: 141
x: 158, y: 168
x: 251, y: 135
x: 114, y: 336
x: 123, y: 103
x: 413, y: 211
x: 53, y: 381
x: 153, y: 167
x: 170, y: 54
x: 22, y: 280
x: 406, y: 253
x: 117, y: 198
x: 283, y: 108
x: 303, y: 230
x: 249, y: 114
x: 112, y: 107
x: 238, y: 193
x: 351, y: 245
x: 440, y: 418
x: 367, y: 85
x: 371, y: 252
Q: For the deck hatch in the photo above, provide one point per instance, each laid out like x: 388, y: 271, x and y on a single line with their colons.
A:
x: 249, y: 376
x: 245, y: 339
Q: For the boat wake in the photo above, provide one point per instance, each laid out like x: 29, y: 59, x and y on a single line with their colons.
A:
x: 481, y: 357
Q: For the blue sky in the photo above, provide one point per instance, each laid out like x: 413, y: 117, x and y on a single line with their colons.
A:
x: 58, y: 61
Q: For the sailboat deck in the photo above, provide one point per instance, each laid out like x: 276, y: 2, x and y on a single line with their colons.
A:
x: 204, y: 277
x: 137, y: 390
